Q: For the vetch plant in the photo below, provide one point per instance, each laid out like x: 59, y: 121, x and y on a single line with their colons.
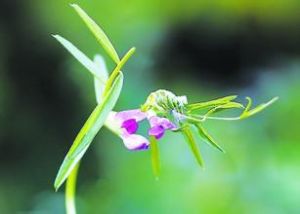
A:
x: 164, y: 111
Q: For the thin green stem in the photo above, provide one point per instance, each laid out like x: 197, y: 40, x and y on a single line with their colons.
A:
x: 117, y: 69
x: 71, y: 191
x: 202, y: 118
x: 155, y: 159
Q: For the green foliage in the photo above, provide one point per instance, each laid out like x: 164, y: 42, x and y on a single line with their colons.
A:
x: 221, y: 107
x: 117, y: 69
x: 211, y: 103
x: 220, y: 104
x: 71, y: 190
x: 248, y: 112
x: 98, y: 33
x: 187, y: 133
x: 101, y: 71
x: 187, y: 116
x: 81, y: 57
x: 207, y: 138
x: 89, y: 131
x: 155, y: 159
x: 107, y: 91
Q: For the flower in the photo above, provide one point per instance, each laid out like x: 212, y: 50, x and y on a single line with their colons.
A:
x: 159, y: 125
x: 127, y: 121
x: 126, y: 124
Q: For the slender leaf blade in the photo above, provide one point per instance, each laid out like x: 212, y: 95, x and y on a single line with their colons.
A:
x: 117, y: 69
x: 186, y: 131
x: 226, y: 106
x: 211, y: 103
x: 98, y: 33
x: 101, y: 71
x: 80, y: 56
x: 155, y: 157
x: 204, y: 134
x: 248, y: 112
x: 89, y: 131
x: 248, y: 106
x: 230, y: 105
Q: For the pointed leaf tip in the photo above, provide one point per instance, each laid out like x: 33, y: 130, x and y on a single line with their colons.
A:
x: 207, y: 138
x: 98, y: 33
x: 89, y: 130
x: 186, y: 131
x: 212, y: 103
x: 81, y: 57
x: 249, y: 112
x: 117, y: 69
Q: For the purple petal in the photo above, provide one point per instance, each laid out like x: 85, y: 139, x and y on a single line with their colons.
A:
x: 142, y: 147
x: 167, y: 124
x: 154, y: 121
x: 156, y: 131
x: 135, y: 142
x: 161, y: 121
x: 136, y: 114
x: 130, y: 125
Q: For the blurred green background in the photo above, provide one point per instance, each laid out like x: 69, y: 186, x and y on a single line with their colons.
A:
x: 202, y: 49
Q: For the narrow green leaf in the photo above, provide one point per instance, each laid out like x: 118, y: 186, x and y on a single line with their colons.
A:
x: 186, y: 131
x: 101, y: 71
x: 248, y: 112
x: 155, y: 158
x: 248, y: 106
x: 117, y: 69
x: 195, y: 118
x: 207, y: 137
x: 231, y: 105
x: 226, y: 106
x: 89, y: 131
x: 81, y: 57
x: 212, y: 103
x: 98, y: 33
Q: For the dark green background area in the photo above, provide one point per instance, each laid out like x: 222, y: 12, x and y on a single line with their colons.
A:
x: 202, y: 49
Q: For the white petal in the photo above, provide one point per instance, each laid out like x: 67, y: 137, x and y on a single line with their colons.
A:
x: 135, y: 142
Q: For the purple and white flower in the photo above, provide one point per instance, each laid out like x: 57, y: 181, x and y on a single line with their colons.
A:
x: 159, y: 125
x: 128, y: 121
x: 126, y: 125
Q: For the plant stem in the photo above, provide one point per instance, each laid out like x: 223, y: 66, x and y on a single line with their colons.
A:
x: 117, y: 69
x: 155, y: 159
x: 71, y: 191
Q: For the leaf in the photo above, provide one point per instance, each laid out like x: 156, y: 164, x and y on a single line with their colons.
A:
x: 155, y: 159
x: 222, y: 107
x: 102, y: 71
x: 248, y: 106
x: 230, y: 105
x: 98, y: 33
x: 117, y: 69
x: 194, y: 118
x: 207, y: 137
x: 248, y: 112
x: 81, y: 57
x: 212, y: 103
x: 89, y: 131
x: 101, y: 68
x: 186, y: 131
